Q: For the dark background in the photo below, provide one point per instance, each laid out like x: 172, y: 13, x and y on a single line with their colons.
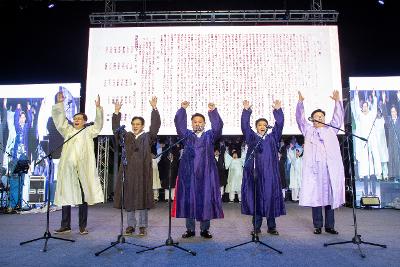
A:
x: 40, y: 45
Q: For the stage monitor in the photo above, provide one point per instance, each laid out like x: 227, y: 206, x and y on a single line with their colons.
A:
x: 375, y: 103
x: 220, y: 64
x: 27, y: 129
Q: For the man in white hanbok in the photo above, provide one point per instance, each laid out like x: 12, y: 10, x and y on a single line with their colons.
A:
x: 367, y: 153
x: 78, y: 182
x: 235, y: 175
x: 296, y: 170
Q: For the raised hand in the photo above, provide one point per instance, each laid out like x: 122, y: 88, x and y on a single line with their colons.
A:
x: 97, y: 101
x: 185, y: 104
x: 335, y: 95
x: 301, y: 97
x: 211, y: 106
x: 60, y: 97
x: 5, y: 103
x: 28, y: 106
x: 383, y: 97
x: 153, y: 102
x: 117, y: 107
x: 246, y: 104
x: 277, y: 104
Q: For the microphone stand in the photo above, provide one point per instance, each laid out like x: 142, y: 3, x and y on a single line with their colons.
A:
x: 170, y: 242
x: 356, y: 238
x: 120, y: 237
x: 47, y: 235
x: 255, y: 238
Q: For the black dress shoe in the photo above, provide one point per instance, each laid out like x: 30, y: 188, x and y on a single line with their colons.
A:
x: 272, y: 231
x: 188, y: 234
x: 331, y: 231
x: 317, y: 231
x: 205, y: 234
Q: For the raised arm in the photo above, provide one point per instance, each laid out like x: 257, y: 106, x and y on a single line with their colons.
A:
x: 116, y: 118
x: 300, y: 118
x: 279, y: 121
x: 155, y: 120
x: 337, y: 118
x: 216, y: 121
x: 181, y: 120
x: 227, y: 159
x: 98, y: 121
x: 245, y: 122
x: 58, y: 115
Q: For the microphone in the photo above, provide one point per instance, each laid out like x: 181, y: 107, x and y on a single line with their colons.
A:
x: 88, y: 124
x: 310, y: 119
x: 269, y: 127
x: 119, y: 129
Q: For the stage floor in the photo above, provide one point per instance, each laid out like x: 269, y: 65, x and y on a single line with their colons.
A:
x: 299, y: 245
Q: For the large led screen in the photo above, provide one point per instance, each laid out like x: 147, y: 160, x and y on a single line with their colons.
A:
x: 375, y: 103
x: 220, y: 64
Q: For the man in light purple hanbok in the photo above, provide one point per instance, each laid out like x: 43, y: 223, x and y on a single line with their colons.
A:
x: 323, y: 173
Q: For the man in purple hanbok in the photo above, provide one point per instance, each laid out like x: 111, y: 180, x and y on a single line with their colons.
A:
x: 197, y: 195
x: 323, y: 173
x: 269, y: 199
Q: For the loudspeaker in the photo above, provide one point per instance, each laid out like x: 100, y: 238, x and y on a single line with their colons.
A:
x: 37, y: 189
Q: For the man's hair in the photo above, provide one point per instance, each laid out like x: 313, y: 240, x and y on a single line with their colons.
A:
x: 317, y: 110
x: 138, y: 118
x: 198, y: 115
x: 261, y: 119
x: 83, y: 115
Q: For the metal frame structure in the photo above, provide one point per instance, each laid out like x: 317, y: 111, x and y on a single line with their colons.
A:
x: 103, y: 149
x: 216, y: 17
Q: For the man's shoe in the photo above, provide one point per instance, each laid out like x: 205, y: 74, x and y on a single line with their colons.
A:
x: 188, y: 234
x: 317, y: 231
x: 331, y: 231
x: 129, y: 230
x: 258, y: 231
x: 83, y: 231
x: 205, y: 234
x: 142, y: 231
x: 272, y: 231
x: 63, y: 230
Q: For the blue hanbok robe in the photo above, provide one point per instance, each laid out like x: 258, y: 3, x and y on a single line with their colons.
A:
x: 197, y: 195
x: 269, y: 200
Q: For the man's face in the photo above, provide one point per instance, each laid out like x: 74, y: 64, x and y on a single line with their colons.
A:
x: 261, y: 127
x: 79, y: 122
x: 198, y: 124
x: 319, y: 116
x: 137, y: 126
x: 22, y: 118
x: 365, y: 108
x: 216, y: 153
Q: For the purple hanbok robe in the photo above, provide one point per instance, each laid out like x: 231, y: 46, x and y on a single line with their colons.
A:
x: 323, y: 173
x: 198, y: 194
x: 269, y: 200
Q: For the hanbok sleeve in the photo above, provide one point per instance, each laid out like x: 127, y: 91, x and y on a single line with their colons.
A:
x: 95, y: 129
x: 248, y: 133
x: 216, y: 123
x: 181, y: 123
x: 60, y: 121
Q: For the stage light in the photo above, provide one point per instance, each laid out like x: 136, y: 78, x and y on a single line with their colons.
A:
x: 370, y: 201
x: 51, y: 4
x: 381, y: 2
